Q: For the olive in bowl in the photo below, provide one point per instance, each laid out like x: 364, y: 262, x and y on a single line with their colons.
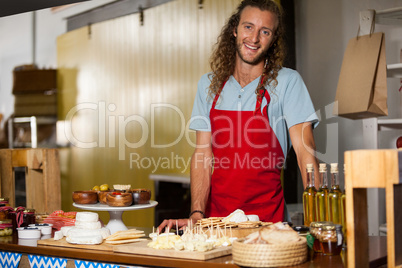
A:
x: 141, y: 196
x: 117, y: 199
x: 85, y: 197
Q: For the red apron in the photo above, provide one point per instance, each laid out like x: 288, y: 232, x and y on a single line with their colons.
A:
x: 247, y: 164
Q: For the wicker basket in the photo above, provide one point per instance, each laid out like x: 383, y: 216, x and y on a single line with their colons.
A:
x: 269, y: 255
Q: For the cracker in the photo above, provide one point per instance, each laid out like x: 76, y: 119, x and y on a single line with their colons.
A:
x: 117, y: 242
x: 127, y: 234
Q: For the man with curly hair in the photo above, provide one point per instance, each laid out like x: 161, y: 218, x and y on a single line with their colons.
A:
x: 247, y: 114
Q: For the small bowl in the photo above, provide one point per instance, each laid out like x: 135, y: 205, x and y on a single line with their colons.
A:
x: 85, y: 197
x: 102, y: 196
x: 117, y: 199
x: 141, y: 196
x: 29, y: 233
x: 45, y: 228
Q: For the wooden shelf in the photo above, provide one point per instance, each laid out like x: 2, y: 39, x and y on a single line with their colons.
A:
x: 389, y: 124
x: 392, y: 16
x: 394, y: 70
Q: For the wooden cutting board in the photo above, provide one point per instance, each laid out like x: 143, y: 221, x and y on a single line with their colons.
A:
x: 63, y: 243
x: 141, y: 248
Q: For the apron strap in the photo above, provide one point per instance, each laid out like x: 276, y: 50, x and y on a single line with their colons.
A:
x: 217, y: 95
x: 262, y: 92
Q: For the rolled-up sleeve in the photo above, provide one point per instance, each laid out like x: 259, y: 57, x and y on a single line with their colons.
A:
x: 200, y: 115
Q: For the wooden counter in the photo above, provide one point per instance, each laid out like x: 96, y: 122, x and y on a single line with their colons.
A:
x: 377, y: 256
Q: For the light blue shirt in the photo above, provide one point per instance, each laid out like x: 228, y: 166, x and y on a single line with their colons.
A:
x: 290, y: 104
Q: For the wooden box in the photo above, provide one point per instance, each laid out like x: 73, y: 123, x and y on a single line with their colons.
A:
x: 42, y: 177
x: 30, y: 81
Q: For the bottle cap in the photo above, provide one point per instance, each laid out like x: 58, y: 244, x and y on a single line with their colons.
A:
x: 323, y: 167
x: 310, y: 167
x: 334, y: 167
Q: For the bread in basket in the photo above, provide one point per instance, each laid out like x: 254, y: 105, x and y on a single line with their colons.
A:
x: 272, y: 246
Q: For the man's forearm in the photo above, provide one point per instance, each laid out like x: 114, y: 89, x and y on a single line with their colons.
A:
x: 200, y: 179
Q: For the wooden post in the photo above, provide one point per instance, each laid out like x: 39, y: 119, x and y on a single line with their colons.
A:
x: 372, y: 169
x: 42, y: 177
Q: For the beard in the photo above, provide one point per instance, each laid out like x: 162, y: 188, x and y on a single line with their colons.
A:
x: 256, y: 60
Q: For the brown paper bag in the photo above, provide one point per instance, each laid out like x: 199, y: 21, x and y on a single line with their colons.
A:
x: 362, y: 85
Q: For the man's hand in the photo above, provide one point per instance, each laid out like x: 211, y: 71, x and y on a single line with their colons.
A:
x: 178, y: 224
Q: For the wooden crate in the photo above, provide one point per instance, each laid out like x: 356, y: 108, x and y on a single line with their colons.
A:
x: 30, y: 81
x: 42, y: 177
x: 373, y: 169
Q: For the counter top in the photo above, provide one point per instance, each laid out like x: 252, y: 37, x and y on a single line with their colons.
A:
x: 377, y: 256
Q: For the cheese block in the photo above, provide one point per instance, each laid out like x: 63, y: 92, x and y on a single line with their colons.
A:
x: 236, y: 216
x: 85, y: 240
x: 87, y: 217
x: 58, y: 235
x: 76, y: 232
x: 105, y: 232
x: 85, y: 236
x: 253, y: 217
x: 65, y: 229
x: 88, y: 225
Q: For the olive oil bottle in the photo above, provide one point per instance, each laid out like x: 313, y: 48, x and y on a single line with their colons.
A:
x: 334, y: 196
x: 322, y: 195
x: 309, y: 196
x: 343, y: 206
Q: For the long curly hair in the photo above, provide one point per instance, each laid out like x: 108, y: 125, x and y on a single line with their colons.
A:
x: 223, y: 58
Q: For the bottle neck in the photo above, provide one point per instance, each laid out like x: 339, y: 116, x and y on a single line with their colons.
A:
x: 324, y: 180
x: 310, y: 179
x: 335, y: 180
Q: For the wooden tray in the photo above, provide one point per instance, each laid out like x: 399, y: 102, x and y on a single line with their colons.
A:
x: 63, y: 243
x: 141, y: 248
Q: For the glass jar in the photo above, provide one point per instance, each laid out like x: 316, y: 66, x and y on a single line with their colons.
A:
x: 12, y: 215
x: 341, y: 238
x: 331, y: 240
x: 28, y: 217
x: 315, y: 231
x: 3, y: 212
x: 4, y: 200
x: 6, y: 228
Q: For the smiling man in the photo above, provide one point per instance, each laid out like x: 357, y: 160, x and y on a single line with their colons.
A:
x: 247, y: 114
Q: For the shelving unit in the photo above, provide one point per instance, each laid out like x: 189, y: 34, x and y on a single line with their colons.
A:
x: 33, y: 121
x: 373, y: 126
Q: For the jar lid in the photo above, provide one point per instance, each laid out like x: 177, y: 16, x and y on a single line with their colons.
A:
x: 316, y: 224
x: 6, y: 221
x: 338, y: 227
x: 301, y: 228
x: 328, y: 227
x: 29, y: 210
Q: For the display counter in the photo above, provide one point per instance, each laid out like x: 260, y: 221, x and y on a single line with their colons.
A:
x: 377, y: 256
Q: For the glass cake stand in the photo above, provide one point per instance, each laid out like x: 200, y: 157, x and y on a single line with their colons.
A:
x: 115, y: 222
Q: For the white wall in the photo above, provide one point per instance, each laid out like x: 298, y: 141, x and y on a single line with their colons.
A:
x: 16, y: 43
